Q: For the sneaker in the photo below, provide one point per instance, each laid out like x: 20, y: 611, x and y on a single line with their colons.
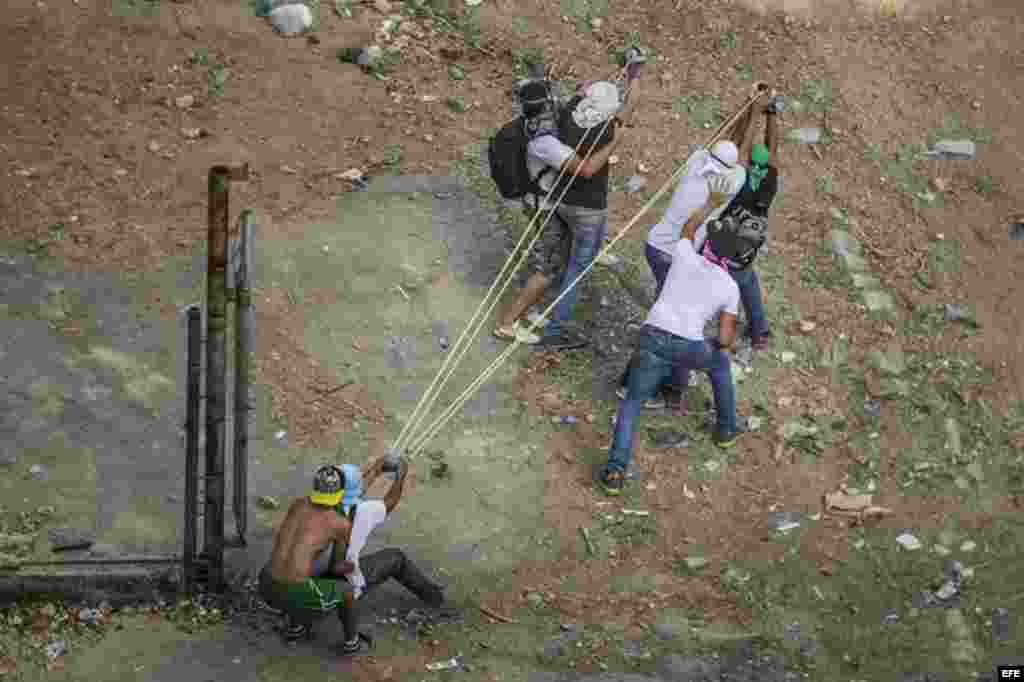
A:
x: 613, y: 482
x: 525, y: 336
x: 723, y: 440
x: 536, y: 318
x: 293, y: 632
x: 361, y: 645
x: 564, y: 340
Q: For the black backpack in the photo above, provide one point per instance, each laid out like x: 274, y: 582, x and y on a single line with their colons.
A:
x: 506, y: 152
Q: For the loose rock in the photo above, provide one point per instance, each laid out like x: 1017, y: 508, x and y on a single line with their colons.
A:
x: 909, y: 542
x: 185, y: 101
x: 804, y: 135
x: 38, y: 472
x: 1017, y: 230
x: 291, y: 20
x: 953, y: 150
x: 635, y: 184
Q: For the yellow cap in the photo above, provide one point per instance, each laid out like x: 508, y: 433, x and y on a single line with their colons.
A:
x: 325, y: 499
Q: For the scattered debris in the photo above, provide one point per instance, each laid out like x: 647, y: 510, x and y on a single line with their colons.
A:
x: 450, y: 664
x: 268, y: 502
x: 185, y: 101
x: 951, y: 150
x: 586, y: 538
x: 859, y: 506
x: 784, y: 521
x: 908, y: 542
x: 71, y: 538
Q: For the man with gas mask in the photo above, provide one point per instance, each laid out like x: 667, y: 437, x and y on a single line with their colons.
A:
x: 575, y: 139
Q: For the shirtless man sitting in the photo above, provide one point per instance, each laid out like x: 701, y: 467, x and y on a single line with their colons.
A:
x: 294, y: 583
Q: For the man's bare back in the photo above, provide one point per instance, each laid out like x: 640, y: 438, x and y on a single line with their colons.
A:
x: 305, y: 531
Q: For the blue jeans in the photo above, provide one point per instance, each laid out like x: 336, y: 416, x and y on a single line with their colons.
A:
x: 658, y: 353
x: 750, y: 296
x: 588, y: 227
x: 659, y: 262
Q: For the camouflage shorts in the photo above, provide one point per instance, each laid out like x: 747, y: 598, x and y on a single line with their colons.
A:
x: 550, y: 253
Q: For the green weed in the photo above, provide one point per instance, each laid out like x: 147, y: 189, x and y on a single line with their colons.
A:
x: 703, y: 111
x: 582, y: 12
x: 727, y: 40
x: 134, y: 8
x: 392, y: 154
x: 518, y: 25
x: 216, y: 77
x: 953, y: 128
x: 983, y: 185
x: 823, y: 184
x: 816, y: 95
x: 744, y: 71
x: 523, y: 57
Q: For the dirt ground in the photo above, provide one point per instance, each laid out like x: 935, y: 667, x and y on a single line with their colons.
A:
x: 103, y: 174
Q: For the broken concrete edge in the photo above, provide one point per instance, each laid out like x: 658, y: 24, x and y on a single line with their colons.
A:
x: 118, y: 587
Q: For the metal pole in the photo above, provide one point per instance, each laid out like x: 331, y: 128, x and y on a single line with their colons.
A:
x: 195, y: 370
x: 245, y: 399
x: 216, y: 386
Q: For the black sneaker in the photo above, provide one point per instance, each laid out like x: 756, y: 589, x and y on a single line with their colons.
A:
x: 564, y: 340
x: 362, y: 645
x: 294, y: 632
x: 613, y: 482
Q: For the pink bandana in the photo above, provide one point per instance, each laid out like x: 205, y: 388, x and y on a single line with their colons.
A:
x: 710, y: 255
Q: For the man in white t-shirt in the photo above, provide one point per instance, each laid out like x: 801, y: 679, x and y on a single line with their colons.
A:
x: 697, y: 288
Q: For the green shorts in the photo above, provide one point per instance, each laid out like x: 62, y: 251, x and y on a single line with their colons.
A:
x: 311, y: 595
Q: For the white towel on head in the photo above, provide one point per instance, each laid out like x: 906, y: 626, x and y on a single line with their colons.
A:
x: 702, y: 162
x: 600, y: 101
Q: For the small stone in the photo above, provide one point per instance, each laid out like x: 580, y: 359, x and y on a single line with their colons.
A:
x: 954, y: 150
x: 192, y: 133
x: 968, y: 546
x: 635, y: 184
x: 787, y: 356
x: 695, y: 563
x: 596, y: 23
x: 154, y: 146
x: 941, y: 550
x: 641, y: 168
x: 806, y: 326
x: 185, y: 101
x: 940, y: 185
x: 38, y: 472
x: 290, y: 20
x: 268, y: 502
x: 71, y: 538
x: 805, y: 135
x: 976, y: 105
x: 613, y: 159
x: 55, y: 649
x: 909, y: 542
x: 1017, y: 230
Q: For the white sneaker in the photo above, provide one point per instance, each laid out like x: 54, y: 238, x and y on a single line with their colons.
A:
x: 536, y: 318
x: 524, y: 335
